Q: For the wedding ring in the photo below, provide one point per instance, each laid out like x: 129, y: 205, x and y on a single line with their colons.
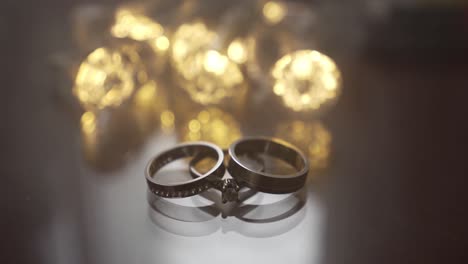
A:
x: 264, y: 181
x: 253, y: 161
x: 193, y: 186
x: 193, y: 171
x: 229, y: 187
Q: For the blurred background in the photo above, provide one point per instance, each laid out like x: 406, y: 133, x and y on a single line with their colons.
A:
x: 372, y: 91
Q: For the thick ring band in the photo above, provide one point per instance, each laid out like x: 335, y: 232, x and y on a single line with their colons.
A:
x: 193, y: 186
x: 263, y: 181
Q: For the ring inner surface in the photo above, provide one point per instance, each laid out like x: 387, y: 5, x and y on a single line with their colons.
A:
x: 272, y: 149
x: 183, y: 152
x: 199, y: 165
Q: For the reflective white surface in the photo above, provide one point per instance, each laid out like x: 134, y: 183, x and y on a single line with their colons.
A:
x: 125, y: 228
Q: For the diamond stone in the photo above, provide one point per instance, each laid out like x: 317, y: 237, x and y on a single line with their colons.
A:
x: 230, y: 190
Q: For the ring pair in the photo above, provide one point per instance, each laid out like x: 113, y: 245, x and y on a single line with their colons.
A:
x: 243, y: 176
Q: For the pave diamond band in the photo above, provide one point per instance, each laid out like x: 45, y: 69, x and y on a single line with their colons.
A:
x: 191, y: 187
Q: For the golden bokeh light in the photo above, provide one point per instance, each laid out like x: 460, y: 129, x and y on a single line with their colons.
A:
x: 274, y: 12
x: 161, y: 44
x: 88, y: 122
x: 130, y: 24
x: 188, y: 41
x: 215, y: 78
x: 311, y: 137
x: 146, y: 94
x: 108, y: 136
x: 167, y: 120
x: 212, y: 125
x: 89, y: 133
x: 151, y: 108
x: 306, y: 79
x: 215, y: 63
x: 107, y: 77
x: 206, y: 74
x: 237, y: 51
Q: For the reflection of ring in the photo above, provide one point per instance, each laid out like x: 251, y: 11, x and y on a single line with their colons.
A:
x: 256, y: 219
x: 196, y: 211
x: 267, y: 213
x: 185, y: 220
x: 191, y: 187
x: 263, y: 181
